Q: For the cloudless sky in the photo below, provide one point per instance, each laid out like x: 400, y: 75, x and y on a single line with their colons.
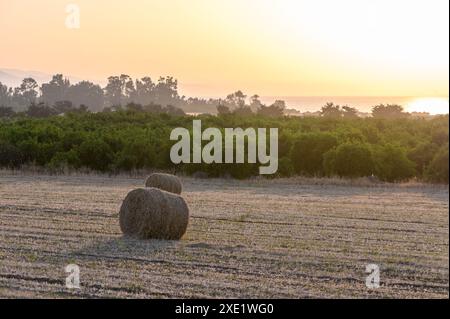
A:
x: 278, y: 47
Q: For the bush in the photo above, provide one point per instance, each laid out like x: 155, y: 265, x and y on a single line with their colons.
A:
x: 136, y: 154
x: 422, y: 155
x: 95, y: 154
x: 243, y: 171
x: 392, y: 164
x: 437, y: 170
x: 308, y: 151
x: 285, y: 167
x: 65, y: 160
x: 10, y: 155
x: 349, y: 160
x: 128, y: 140
x: 329, y: 159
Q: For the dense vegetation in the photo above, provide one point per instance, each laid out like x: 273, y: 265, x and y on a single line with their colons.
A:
x: 390, y: 149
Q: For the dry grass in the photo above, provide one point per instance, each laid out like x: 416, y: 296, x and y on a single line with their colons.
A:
x: 258, y: 238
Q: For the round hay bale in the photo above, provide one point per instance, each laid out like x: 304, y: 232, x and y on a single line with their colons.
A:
x: 166, y: 182
x: 152, y: 213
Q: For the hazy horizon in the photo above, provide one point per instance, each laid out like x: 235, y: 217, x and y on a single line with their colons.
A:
x: 432, y: 104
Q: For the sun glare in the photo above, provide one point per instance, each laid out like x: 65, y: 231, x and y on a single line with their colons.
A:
x: 430, y: 105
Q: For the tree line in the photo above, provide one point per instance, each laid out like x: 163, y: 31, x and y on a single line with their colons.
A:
x: 120, y: 91
x: 128, y: 139
x: 59, y: 96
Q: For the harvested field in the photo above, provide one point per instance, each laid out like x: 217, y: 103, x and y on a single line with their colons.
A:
x: 246, y: 239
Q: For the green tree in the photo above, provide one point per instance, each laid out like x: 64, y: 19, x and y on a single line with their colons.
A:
x: 55, y: 90
x: 26, y: 93
x: 243, y: 110
x: 331, y: 111
x: 285, y: 167
x: 10, y: 155
x: 437, y: 170
x: 349, y: 112
x: 392, y: 164
x: 40, y: 110
x: 439, y: 135
x: 94, y: 153
x: 255, y: 102
x: 349, y: 160
x: 236, y: 99
x: 223, y: 109
x: 274, y: 110
x: 308, y: 151
x: 5, y: 95
x: 389, y: 111
x: 64, y: 160
x: 86, y: 93
x: 422, y: 155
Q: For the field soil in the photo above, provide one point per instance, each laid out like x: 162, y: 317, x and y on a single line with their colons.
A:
x: 246, y: 239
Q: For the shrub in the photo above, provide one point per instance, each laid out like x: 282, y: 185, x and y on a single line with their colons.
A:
x: 437, y: 170
x: 128, y: 140
x: 349, y: 160
x: 422, y: 155
x: 64, y: 160
x: 392, y: 164
x: 329, y: 159
x: 95, y: 154
x: 308, y: 151
x: 10, y: 155
x: 135, y: 154
x: 285, y: 167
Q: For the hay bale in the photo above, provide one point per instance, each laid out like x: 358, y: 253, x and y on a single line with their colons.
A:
x: 152, y: 213
x: 166, y: 182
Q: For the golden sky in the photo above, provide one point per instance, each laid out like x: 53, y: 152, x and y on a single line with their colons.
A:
x: 213, y: 47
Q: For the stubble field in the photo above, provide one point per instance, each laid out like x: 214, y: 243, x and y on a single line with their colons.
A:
x: 246, y: 239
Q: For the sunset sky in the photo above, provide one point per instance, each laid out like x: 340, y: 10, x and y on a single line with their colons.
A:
x: 273, y: 48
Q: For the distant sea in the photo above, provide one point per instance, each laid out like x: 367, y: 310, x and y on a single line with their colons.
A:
x: 363, y: 103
